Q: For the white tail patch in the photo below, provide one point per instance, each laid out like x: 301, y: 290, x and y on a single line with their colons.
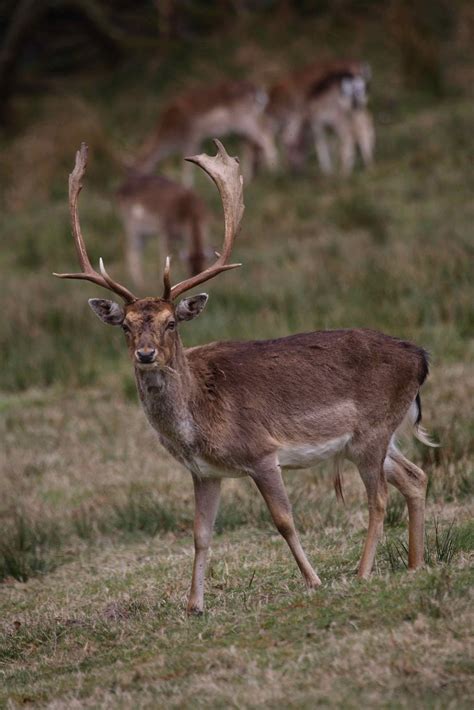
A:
x: 422, y: 435
x: 409, y: 426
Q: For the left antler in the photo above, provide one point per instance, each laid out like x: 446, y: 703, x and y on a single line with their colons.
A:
x: 225, y: 172
x: 88, y: 273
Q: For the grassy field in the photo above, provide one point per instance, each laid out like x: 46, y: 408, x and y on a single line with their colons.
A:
x: 96, y: 519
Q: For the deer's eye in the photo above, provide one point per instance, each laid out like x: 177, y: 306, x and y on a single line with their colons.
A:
x: 125, y: 329
x: 171, y: 325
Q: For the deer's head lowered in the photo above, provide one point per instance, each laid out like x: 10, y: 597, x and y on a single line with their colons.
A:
x: 151, y: 324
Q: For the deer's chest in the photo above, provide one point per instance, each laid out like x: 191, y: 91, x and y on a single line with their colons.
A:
x: 171, y: 420
x: 206, y: 469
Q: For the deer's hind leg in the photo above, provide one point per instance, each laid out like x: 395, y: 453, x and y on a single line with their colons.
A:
x: 269, y: 481
x: 323, y: 151
x: 411, y: 481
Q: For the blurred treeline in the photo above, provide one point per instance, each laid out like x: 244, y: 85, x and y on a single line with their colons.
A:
x: 43, y: 40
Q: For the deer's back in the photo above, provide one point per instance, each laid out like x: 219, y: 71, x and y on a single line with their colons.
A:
x: 291, y: 92
x: 158, y: 194
x: 276, y: 388
x: 196, y: 103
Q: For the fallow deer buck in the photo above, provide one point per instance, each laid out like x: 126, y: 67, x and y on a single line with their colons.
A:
x: 236, y: 107
x: 255, y: 408
x: 155, y: 205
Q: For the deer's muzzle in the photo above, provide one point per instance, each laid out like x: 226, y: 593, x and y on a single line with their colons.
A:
x: 145, y: 356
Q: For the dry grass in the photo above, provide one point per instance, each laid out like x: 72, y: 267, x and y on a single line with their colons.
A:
x: 103, y: 624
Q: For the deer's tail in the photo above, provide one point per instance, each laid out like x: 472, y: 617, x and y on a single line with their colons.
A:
x: 413, y: 421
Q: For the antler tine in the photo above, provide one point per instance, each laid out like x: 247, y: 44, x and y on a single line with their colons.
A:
x: 225, y: 173
x: 166, y: 280
x: 87, y: 273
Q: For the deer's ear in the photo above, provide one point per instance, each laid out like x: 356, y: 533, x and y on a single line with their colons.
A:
x: 189, y: 308
x: 108, y: 311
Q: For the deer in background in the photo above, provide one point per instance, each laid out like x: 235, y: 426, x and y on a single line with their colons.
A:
x: 338, y: 103
x: 230, y: 107
x: 151, y: 204
x: 230, y: 409
x: 320, y: 96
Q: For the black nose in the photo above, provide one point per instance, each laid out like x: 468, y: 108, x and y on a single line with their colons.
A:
x: 145, y: 354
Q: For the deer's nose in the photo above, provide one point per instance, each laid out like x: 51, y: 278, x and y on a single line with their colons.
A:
x: 145, y: 355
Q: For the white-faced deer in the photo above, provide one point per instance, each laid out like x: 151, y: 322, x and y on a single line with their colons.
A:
x: 255, y: 408
x: 236, y: 107
x: 154, y: 204
x: 321, y: 96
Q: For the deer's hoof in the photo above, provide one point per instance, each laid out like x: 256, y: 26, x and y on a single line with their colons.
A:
x: 313, y: 582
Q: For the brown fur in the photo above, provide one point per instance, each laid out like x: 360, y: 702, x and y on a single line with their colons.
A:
x: 297, y: 99
x: 290, y: 93
x: 208, y: 111
x: 247, y: 398
x: 153, y: 203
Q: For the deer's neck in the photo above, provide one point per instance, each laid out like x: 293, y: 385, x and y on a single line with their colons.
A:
x: 165, y: 395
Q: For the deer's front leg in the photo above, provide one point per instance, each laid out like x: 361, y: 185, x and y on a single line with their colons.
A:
x: 269, y: 482
x: 322, y: 149
x: 258, y: 132
x: 346, y: 145
x: 364, y: 134
x: 206, y: 496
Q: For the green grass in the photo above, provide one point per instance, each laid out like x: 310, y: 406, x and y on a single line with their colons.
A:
x: 96, y: 519
x: 390, y: 249
x: 123, y: 639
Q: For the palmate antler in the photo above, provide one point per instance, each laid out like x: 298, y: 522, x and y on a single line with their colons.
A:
x: 225, y: 172
x: 88, y: 273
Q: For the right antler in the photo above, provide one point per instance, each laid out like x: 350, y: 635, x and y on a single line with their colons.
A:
x: 88, y: 273
x: 225, y: 172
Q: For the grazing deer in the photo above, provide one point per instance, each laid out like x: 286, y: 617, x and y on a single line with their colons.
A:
x: 228, y: 107
x: 152, y: 204
x: 338, y: 103
x: 230, y: 409
x: 320, y: 96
